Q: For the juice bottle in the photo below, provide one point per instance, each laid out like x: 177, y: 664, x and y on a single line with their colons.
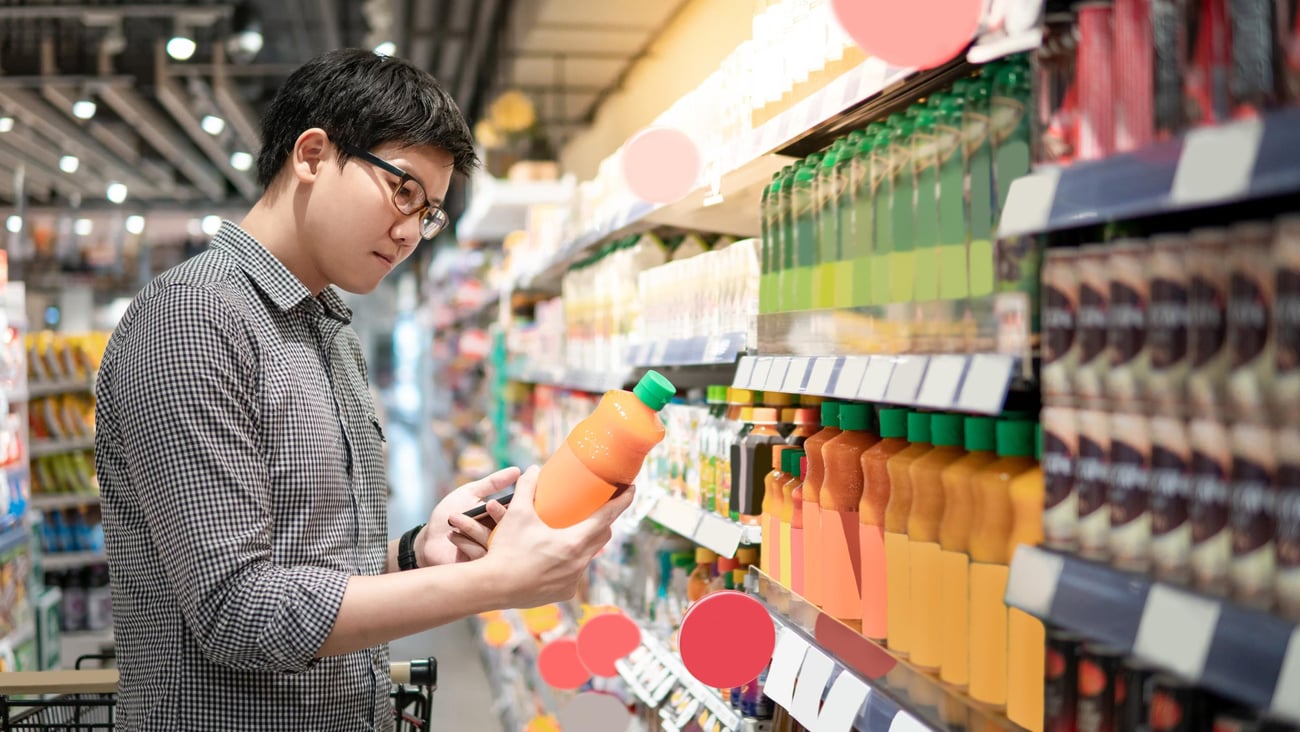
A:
x: 726, y: 579
x: 923, y: 523
x: 746, y: 557
x: 701, y: 578
x: 990, y: 540
x: 773, y: 497
x: 791, y: 544
x: 740, y: 410
x: 806, y: 424
x: 812, y: 516
x: 953, y: 224
x: 856, y: 279
x: 603, y: 452
x: 709, y: 440
x: 882, y: 176
x: 898, y: 574
x: 871, y: 514
x: 852, y: 238
x: 979, y: 182
x: 1026, y: 636
x: 954, y: 546
x: 785, y: 262
x: 925, y: 167
x: 840, y: 496
x: 802, y: 201
x: 782, y: 403
x: 755, y: 464
x: 746, y: 423
x: 1009, y: 124
x: 794, y: 505
x: 902, y: 258
x: 771, y: 233
x: 827, y: 252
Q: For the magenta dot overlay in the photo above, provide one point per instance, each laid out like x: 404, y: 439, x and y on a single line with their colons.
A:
x: 660, y: 164
x: 560, y: 666
x: 727, y: 639
x: 605, y: 639
x: 919, y: 34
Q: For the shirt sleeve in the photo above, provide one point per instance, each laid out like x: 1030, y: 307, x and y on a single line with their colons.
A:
x: 187, y: 414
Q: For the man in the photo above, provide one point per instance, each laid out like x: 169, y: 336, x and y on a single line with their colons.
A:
x: 238, y: 452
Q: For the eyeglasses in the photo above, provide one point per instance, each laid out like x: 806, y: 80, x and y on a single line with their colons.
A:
x: 409, y: 196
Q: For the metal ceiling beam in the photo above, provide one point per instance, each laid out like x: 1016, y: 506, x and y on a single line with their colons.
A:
x: 251, y: 70
x: 497, y: 43
x: 329, y: 14
x: 198, y: 15
x: 128, y: 105
x: 59, y: 97
x: 233, y: 105
x: 45, y: 159
x: 38, y: 177
x: 471, y: 57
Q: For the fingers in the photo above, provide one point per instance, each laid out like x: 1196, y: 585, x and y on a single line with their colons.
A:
x: 494, y: 483
x: 471, y: 549
x: 496, y: 511
x: 470, y: 528
x: 526, y: 487
x: 606, y: 514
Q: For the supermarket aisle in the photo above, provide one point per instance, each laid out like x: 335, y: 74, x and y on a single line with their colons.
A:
x: 464, y: 700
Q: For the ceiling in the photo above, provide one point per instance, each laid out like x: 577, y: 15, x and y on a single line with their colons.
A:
x: 568, y: 55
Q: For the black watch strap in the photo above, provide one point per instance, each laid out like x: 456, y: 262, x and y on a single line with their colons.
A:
x: 406, y: 550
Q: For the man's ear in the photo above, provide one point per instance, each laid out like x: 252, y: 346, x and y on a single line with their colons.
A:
x: 312, y: 148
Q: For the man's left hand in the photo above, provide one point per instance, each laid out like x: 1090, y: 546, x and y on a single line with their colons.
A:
x: 450, y: 535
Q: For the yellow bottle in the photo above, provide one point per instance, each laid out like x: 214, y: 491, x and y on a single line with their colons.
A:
x: 898, y: 573
x: 1026, y: 636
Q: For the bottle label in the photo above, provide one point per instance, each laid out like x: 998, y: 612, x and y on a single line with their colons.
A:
x: 1092, y: 322
x: 1058, y: 322
x: 1171, y: 531
x: 1126, y: 322
x: 1090, y: 480
x: 1207, y: 322
x: 1167, y: 322
x: 1208, y: 514
x: 1252, y: 519
x: 1287, y: 330
x: 1130, y: 515
x: 1248, y: 317
x: 1288, y: 542
x: 1060, y: 502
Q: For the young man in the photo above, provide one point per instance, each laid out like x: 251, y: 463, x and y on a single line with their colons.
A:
x: 238, y: 452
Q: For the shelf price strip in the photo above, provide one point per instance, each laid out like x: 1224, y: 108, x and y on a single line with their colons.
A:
x: 711, y: 531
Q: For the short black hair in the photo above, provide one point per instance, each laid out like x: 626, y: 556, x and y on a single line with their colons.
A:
x: 364, y: 100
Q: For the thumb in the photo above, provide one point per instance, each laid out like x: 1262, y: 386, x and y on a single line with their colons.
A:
x: 494, y: 483
x: 611, y: 509
x: 526, y: 488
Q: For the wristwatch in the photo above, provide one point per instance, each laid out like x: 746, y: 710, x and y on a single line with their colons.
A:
x: 406, y: 550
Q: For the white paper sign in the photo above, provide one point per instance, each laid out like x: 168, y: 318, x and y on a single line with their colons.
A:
x: 843, y: 703
x: 786, y: 660
x: 814, y: 674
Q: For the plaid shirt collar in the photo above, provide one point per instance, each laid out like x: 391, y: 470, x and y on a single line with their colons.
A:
x: 275, y: 280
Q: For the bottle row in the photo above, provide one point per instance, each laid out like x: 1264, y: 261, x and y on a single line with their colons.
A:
x: 60, y: 357
x: 65, y: 417
x: 72, y: 530
x: 65, y: 473
x: 86, y: 602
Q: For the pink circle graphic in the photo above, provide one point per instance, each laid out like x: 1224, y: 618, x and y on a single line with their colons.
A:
x: 560, y: 666
x: 918, y: 34
x: 594, y: 711
x: 727, y: 639
x: 605, y: 639
x: 660, y: 164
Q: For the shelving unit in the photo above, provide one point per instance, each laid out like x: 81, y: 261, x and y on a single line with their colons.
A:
x: 59, y: 561
x: 43, y: 448
x: 59, y: 501
x: 38, y: 389
x: 653, y: 671
x: 709, y: 530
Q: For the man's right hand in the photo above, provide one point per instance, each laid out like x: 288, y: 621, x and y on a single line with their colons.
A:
x: 538, y: 564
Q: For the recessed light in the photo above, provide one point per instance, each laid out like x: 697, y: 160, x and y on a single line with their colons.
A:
x: 240, y: 160
x: 69, y: 164
x: 387, y: 48
x: 181, y: 48
x: 212, y: 124
x: 135, y: 224
x: 6, y: 123
x: 83, y: 109
x: 117, y: 192
x: 14, y: 224
x: 83, y: 227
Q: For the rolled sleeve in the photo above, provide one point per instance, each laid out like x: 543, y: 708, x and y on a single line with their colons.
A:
x: 187, y: 416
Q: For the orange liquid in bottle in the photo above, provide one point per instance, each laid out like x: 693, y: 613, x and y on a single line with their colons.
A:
x: 605, y: 451
x: 840, y: 497
x: 812, y: 517
x: 773, y: 498
x: 1026, y: 636
x: 871, y: 515
x: 898, y: 573
x: 794, y: 507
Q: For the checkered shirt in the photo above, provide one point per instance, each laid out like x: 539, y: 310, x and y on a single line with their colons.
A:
x: 242, y: 474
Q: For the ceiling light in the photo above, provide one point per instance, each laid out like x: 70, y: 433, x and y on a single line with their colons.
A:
x: 212, y: 124
x: 135, y: 224
x: 387, y: 48
x: 83, y: 109
x: 240, y: 160
x: 14, y: 224
x: 69, y: 164
x: 245, y: 40
x: 83, y: 227
x: 117, y: 192
x: 6, y: 123
x: 211, y: 224
x: 181, y: 47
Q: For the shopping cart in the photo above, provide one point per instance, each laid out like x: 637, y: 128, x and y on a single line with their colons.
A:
x: 82, y: 700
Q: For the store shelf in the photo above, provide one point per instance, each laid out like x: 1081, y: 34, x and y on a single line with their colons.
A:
x: 697, y: 351
x: 43, y: 448
x: 59, y: 561
x: 711, y: 531
x: 977, y: 384
x: 475, y: 313
x: 1244, y: 654
x: 58, y: 501
x: 1211, y: 166
x: 577, y: 380
x: 498, y: 207
x: 38, y: 389
x: 13, y: 537
x: 886, y: 690
x: 653, y: 670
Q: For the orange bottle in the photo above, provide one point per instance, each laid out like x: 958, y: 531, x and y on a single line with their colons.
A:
x: 926, y: 619
x: 871, y: 514
x: 806, y: 425
x: 812, y: 516
x: 773, y: 498
x: 990, y: 541
x: 840, y: 495
x: 702, y: 577
x: 790, y: 460
x: 794, y: 507
x: 898, y: 573
x: 755, y: 464
x: 738, y: 400
x: 954, y: 545
x: 605, y: 451
x: 1026, y: 636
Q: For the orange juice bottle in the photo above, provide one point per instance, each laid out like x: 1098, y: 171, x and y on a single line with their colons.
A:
x: 871, y: 514
x: 794, y: 519
x: 784, y: 406
x: 990, y: 541
x: 1026, y: 636
x: 728, y: 431
x: 898, y: 573
x: 603, y: 452
x: 923, y: 522
x: 701, y: 578
x: 806, y: 424
x: 840, y: 496
x: 773, y: 497
x: 790, y: 460
x: 755, y: 464
x: 954, y: 545
x: 812, y: 516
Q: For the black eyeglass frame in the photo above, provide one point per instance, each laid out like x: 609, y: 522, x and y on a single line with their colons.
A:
x: 435, y: 216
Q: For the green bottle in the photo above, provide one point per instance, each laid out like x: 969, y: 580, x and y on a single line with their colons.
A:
x: 771, y: 244
x: 925, y: 166
x: 902, y: 256
x: 882, y: 176
x: 785, y: 262
x: 797, y: 292
x: 853, y: 280
x: 954, y: 225
x: 1009, y: 119
x: 979, y: 169
x: 827, y: 252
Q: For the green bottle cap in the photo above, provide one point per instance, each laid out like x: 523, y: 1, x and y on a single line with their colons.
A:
x: 918, y: 427
x: 949, y: 109
x: 978, y: 92
x: 1015, y: 438
x: 866, y: 144
x: 893, y: 422
x: 981, y: 434
x: 1011, y: 78
x: 813, y: 159
x: 805, y: 175
x: 854, y: 416
x: 790, y: 461
x: 946, y: 430
x: 832, y: 157
x: 830, y: 414
x: 924, y: 120
x: 796, y: 462
x: 856, y: 137
x: 654, y: 390
x: 902, y: 127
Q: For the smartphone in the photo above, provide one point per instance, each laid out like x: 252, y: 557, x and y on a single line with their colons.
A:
x: 479, y: 512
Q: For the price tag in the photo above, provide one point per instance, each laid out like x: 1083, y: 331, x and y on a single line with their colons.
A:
x: 1028, y: 209
x: 776, y: 378
x: 761, y: 371
x: 1216, y: 162
x: 985, y: 389
x: 1176, y: 630
x: 906, y: 381
x: 822, y: 371
x: 845, y: 700
x: 904, y: 722
x: 678, y: 516
x: 744, y: 372
x: 876, y: 380
x: 1035, y: 575
x: 813, y: 675
x: 942, y: 379
x: 851, y: 372
x: 794, y: 376
x: 718, y: 534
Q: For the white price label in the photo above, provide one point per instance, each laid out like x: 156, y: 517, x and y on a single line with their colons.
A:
x: 794, y: 375
x: 942, y: 379
x: 1216, y: 162
x: 776, y: 378
x: 845, y: 700
x: 744, y: 372
x: 822, y: 371
x: 876, y: 380
x: 985, y: 389
x: 906, y: 381
x: 846, y: 387
x: 761, y: 371
x: 786, y: 660
x: 813, y: 675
